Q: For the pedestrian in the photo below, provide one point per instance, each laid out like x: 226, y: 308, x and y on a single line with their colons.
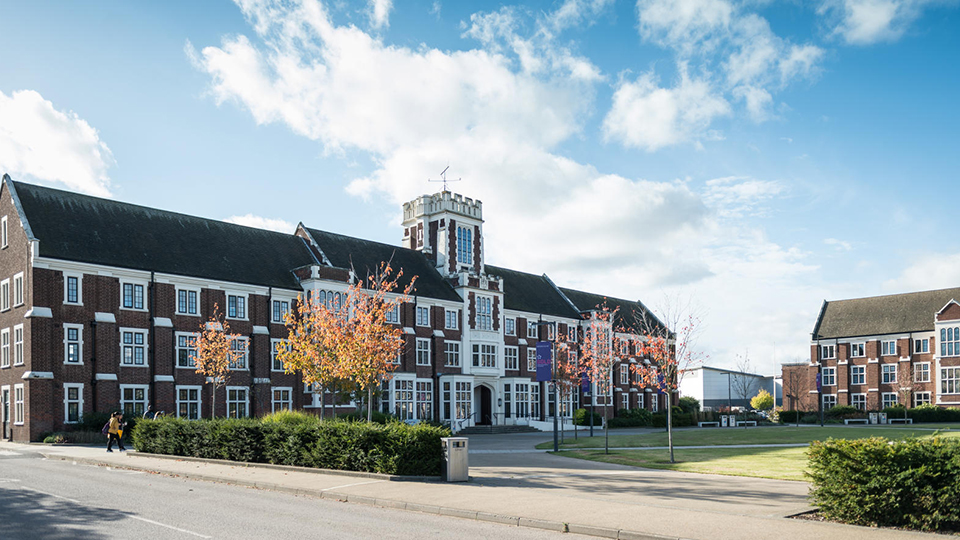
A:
x: 149, y: 415
x: 113, y: 432
x: 122, y: 427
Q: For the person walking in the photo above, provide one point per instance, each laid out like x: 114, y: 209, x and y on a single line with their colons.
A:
x: 113, y: 432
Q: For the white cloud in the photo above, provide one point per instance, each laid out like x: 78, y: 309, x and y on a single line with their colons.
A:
x: 378, y: 11
x: 436, y: 8
x: 260, y: 222
x: 648, y: 116
x: 40, y: 142
x: 864, y: 22
x: 928, y: 272
x: 735, y: 196
x: 839, y: 245
x: 758, y: 102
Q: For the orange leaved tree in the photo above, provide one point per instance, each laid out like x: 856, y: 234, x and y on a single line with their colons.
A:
x: 566, y: 374
x: 597, y: 356
x: 217, y: 352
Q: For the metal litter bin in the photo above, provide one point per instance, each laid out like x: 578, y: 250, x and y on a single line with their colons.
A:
x: 874, y: 418
x: 883, y: 418
x: 455, y: 467
x: 723, y: 421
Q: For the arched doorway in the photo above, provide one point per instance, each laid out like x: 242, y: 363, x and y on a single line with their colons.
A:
x: 484, y: 405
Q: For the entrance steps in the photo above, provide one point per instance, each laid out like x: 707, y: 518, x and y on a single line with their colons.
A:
x: 497, y: 430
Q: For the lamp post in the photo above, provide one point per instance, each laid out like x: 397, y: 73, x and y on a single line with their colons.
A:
x: 553, y: 376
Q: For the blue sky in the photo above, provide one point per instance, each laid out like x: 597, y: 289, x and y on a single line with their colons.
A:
x: 755, y: 157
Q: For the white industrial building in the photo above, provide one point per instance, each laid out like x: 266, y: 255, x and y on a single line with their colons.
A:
x: 716, y: 387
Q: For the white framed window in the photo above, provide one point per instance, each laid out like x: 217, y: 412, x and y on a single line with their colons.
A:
x: 423, y: 352
x: 465, y: 245
x: 950, y: 341
x: 4, y: 295
x: 73, y: 289
x: 451, y: 353
x: 921, y: 372
x: 423, y: 316
x: 950, y: 380
x: 484, y: 313
x: 241, y: 352
x: 73, y: 344
x: 392, y: 316
x: 281, y: 399
x: 451, y: 319
x: 625, y: 400
x: 18, y: 400
x: 484, y: 355
x: 4, y: 238
x: 859, y: 401
x: 132, y: 295
x: 72, y: 403
x: 572, y: 333
x: 511, y: 358
x: 188, y: 402
x: 827, y: 352
x: 888, y: 373
x: 522, y: 399
x: 403, y: 402
x: 532, y: 329
x: 856, y: 350
x: 640, y: 400
x: 280, y: 310
x: 18, y: 345
x: 5, y: 348
x: 238, y: 402
x: 531, y: 359
x: 828, y: 376
x: 18, y: 289
x: 275, y: 344
x: 624, y: 373
x: 133, y: 399
x: 510, y: 326
x: 888, y: 348
x: 133, y: 347
x: 186, y: 350
x: 534, y: 400
x: 921, y: 346
x: 858, y: 374
x: 889, y: 399
x: 552, y: 332
x: 921, y: 398
x: 188, y: 301
x: 829, y: 401
x: 237, y: 306
x: 654, y: 403
x: 424, y: 399
x: 572, y: 356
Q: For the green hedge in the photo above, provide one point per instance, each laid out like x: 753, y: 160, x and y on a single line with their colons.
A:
x: 581, y: 417
x: 913, y: 483
x: 299, y: 439
x: 932, y: 413
x: 679, y: 420
x: 632, y: 418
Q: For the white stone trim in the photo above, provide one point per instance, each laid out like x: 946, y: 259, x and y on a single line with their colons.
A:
x: 163, y: 378
x: 106, y: 376
x: 261, y: 331
x: 104, y: 317
x: 37, y: 312
x: 37, y: 375
x: 162, y: 322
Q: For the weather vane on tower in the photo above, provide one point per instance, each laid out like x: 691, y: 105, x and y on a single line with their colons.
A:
x: 443, y: 178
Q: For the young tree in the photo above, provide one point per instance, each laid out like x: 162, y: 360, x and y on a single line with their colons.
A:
x: 762, y: 401
x: 904, y: 386
x: 567, y: 372
x: 597, y: 357
x: 218, y: 351
x: 794, y: 387
x: 669, y: 351
x: 743, y: 381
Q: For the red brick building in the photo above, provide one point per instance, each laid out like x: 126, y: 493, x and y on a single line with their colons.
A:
x: 880, y: 351
x: 98, y: 300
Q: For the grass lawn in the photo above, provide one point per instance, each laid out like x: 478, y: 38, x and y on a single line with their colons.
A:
x: 778, y: 463
x: 761, y: 435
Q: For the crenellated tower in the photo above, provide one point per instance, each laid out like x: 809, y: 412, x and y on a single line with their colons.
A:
x: 448, y: 228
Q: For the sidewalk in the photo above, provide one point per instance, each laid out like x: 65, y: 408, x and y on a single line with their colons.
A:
x: 540, y: 490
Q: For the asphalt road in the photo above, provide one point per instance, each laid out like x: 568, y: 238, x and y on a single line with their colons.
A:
x: 54, y: 500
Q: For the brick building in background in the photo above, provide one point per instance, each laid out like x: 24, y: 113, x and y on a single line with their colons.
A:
x: 98, y: 300
x: 880, y: 351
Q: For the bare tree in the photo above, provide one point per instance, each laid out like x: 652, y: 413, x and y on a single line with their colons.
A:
x: 744, y: 383
x: 904, y: 387
x: 794, y: 387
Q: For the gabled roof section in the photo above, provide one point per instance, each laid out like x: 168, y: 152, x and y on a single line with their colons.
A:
x: 532, y: 293
x: 365, y: 257
x: 632, y: 314
x: 76, y: 227
x: 880, y: 315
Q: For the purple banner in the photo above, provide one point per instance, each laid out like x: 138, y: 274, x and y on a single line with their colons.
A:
x: 544, y: 361
x: 820, y: 383
x: 585, y: 384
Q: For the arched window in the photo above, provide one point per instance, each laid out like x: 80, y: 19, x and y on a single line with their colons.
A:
x: 322, y: 297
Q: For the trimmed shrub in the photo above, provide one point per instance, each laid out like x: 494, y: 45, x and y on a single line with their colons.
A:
x: 689, y: 404
x: 632, y: 418
x: 301, y: 440
x: 913, y: 483
x: 679, y: 420
x: 581, y: 417
x: 932, y: 413
x: 843, y: 411
x: 789, y: 417
x: 361, y: 416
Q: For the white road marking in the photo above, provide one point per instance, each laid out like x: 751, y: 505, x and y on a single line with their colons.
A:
x: 171, y: 527
x: 9, y: 453
x: 351, y: 485
x: 5, y: 480
x: 51, y: 495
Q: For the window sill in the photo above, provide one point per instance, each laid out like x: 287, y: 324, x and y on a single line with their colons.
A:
x: 187, y: 314
x: 80, y: 304
x: 187, y: 367
x: 73, y: 363
x: 135, y: 365
x: 139, y: 310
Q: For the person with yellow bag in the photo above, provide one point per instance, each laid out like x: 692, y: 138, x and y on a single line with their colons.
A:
x: 115, y: 432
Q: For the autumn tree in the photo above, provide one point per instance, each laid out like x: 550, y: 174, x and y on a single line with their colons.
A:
x: 597, y: 356
x: 567, y: 374
x: 669, y: 349
x: 762, y: 401
x: 217, y: 352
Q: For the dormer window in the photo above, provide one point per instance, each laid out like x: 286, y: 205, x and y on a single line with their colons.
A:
x: 465, y: 245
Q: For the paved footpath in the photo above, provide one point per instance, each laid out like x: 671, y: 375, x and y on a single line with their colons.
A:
x: 537, y: 489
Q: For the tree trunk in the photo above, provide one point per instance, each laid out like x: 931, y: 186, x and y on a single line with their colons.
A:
x: 369, y: 404
x: 606, y: 429
x: 213, y: 404
x: 670, y: 424
x: 323, y: 403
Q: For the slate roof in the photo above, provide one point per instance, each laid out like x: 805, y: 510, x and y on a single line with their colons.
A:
x: 630, y: 315
x: 365, y: 256
x: 880, y: 315
x: 76, y: 227
x: 532, y: 293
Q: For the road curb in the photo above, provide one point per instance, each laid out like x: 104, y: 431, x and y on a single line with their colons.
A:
x: 533, y: 523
